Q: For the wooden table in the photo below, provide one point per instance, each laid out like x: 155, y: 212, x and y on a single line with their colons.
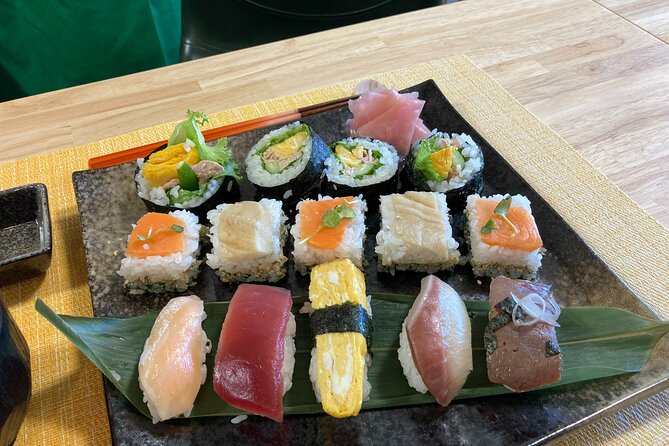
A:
x: 597, y: 73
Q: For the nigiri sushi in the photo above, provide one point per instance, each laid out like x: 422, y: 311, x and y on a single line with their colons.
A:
x: 436, y: 342
x: 415, y: 233
x: 522, y: 351
x: 318, y: 237
x: 341, y: 324
x: 171, y: 367
x: 248, y: 239
x: 503, y: 236
x: 256, y: 351
x: 161, y: 255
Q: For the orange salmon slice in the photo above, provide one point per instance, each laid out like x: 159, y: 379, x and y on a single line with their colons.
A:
x: 527, y: 239
x: 311, y: 217
x: 159, y: 243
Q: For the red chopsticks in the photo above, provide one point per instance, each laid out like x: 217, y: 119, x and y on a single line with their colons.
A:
x: 123, y: 156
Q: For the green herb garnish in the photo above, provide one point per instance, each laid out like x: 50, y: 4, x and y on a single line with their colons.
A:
x: 150, y: 235
x: 332, y: 218
x: 502, y: 208
x: 488, y: 228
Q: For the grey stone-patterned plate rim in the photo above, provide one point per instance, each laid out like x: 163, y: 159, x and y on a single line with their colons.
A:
x: 108, y: 205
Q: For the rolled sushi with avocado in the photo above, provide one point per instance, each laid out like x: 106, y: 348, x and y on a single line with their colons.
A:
x: 186, y: 173
x: 449, y: 164
x: 361, y: 166
x: 287, y: 162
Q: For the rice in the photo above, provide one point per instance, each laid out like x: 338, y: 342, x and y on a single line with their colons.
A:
x: 397, y: 250
x: 489, y: 260
x: 338, y: 173
x: 172, y: 273
x: 252, y: 266
x: 288, y: 364
x: 351, y: 246
x: 408, y: 366
x: 254, y: 164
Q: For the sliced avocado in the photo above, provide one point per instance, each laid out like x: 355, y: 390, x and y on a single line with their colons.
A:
x: 458, y: 160
x: 273, y: 167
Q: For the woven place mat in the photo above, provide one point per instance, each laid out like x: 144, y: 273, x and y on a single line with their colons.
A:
x: 68, y: 403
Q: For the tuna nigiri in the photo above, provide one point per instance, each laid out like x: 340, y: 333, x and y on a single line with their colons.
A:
x: 436, y: 342
x: 256, y: 351
x: 171, y: 368
x: 522, y: 351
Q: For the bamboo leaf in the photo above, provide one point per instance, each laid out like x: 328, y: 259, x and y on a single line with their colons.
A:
x: 592, y: 347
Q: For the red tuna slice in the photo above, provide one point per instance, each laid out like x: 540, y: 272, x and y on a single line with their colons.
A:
x: 247, y: 372
x: 388, y: 116
x: 439, y: 334
x: 520, y: 362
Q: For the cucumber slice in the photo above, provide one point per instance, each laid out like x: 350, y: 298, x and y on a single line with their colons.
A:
x: 187, y: 177
x: 458, y: 160
x: 364, y: 169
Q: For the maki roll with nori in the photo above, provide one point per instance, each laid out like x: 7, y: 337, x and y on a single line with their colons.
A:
x: 186, y: 173
x: 287, y: 162
x: 449, y: 164
x: 361, y: 166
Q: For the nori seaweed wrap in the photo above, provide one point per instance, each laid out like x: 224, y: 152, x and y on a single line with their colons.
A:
x: 361, y: 166
x: 287, y: 163
x: 186, y: 173
x: 453, y: 165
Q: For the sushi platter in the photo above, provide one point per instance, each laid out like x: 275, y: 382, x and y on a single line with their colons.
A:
x: 314, y: 211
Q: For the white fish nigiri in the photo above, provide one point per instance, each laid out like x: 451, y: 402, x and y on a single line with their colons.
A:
x: 436, y: 341
x: 171, y: 368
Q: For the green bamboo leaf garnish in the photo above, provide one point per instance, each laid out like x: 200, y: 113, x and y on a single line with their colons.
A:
x: 333, y: 217
x: 151, y: 234
x: 586, y: 337
x: 487, y: 229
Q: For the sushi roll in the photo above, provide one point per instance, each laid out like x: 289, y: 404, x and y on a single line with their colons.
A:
x: 172, y: 365
x: 415, y: 233
x: 436, y: 342
x: 328, y: 229
x: 522, y: 351
x: 361, y: 165
x: 161, y: 255
x: 186, y: 173
x: 341, y: 324
x: 287, y: 162
x: 248, y: 239
x: 256, y: 379
x: 449, y: 164
x: 503, y: 237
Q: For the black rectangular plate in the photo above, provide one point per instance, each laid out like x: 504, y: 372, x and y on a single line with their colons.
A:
x: 108, y: 205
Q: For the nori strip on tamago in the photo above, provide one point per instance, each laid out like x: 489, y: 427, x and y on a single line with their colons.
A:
x: 342, y: 318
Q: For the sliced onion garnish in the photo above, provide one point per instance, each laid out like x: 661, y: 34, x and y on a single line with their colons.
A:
x: 537, y: 309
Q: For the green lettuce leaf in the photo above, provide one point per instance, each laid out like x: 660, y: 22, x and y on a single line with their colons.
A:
x: 423, y: 163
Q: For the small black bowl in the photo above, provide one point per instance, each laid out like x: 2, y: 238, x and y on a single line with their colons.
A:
x: 25, y: 230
